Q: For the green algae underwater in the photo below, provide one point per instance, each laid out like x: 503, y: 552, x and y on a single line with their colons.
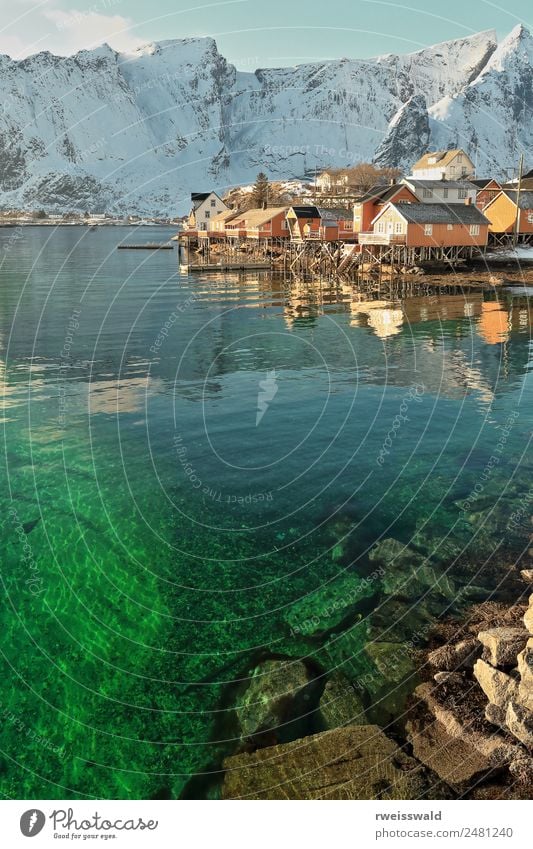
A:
x: 205, y: 472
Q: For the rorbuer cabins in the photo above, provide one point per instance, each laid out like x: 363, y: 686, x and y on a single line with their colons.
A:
x: 511, y: 212
x: 425, y: 225
x: 311, y: 222
x: 367, y: 206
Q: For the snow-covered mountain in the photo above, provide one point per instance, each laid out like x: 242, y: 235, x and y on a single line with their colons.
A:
x: 108, y: 131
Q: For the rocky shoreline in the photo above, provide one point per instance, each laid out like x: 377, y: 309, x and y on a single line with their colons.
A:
x: 465, y: 732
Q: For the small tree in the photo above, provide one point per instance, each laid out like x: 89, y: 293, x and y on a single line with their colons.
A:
x: 41, y: 214
x: 260, y: 192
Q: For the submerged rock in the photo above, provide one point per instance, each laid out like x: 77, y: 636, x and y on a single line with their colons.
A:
x: 392, y: 683
x: 408, y: 573
x: 276, y: 695
x: 356, y: 762
x: 340, y: 704
x: 328, y: 606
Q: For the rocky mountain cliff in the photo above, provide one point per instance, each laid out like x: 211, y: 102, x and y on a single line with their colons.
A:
x: 121, y: 132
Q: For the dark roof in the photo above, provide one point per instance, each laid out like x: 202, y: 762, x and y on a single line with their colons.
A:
x: 334, y: 214
x: 527, y: 184
x: 526, y: 198
x: 306, y: 211
x: 439, y: 184
x: 375, y: 193
x: 199, y: 196
x: 441, y: 213
x: 482, y: 183
x: 528, y: 175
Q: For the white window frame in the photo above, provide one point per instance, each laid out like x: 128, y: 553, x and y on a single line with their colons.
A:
x: 474, y: 229
x: 398, y: 227
x: 445, y: 193
x: 462, y: 194
x: 530, y: 216
x: 450, y: 226
x: 427, y: 193
x: 428, y: 229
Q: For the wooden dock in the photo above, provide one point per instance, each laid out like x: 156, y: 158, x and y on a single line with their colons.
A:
x: 150, y: 246
x: 226, y: 266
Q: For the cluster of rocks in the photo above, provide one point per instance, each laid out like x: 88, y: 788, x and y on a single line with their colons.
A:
x: 305, y: 729
x: 304, y: 735
x: 472, y: 725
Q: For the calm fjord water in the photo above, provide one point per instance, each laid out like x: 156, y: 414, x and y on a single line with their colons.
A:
x: 190, y: 460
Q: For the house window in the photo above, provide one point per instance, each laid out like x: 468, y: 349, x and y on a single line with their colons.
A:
x: 452, y: 169
x: 428, y: 229
x: 213, y: 202
x: 398, y: 227
x: 445, y: 193
x: 474, y: 229
x: 530, y: 216
x: 284, y: 224
x: 462, y: 194
x: 450, y: 226
x: 460, y: 157
x: 207, y: 214
x: 427, y: 193
x: 381, y: 227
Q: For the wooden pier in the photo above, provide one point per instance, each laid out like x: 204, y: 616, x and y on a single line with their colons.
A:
x: 327, y: 259
x: 150, y: 246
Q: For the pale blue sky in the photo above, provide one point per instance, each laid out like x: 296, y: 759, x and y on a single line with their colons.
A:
x: 254, y: 33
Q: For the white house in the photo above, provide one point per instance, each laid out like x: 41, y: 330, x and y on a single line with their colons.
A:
x: 205, y: 206
x: 452, y: 164
x: 333, y: 181
x: 442, y: 191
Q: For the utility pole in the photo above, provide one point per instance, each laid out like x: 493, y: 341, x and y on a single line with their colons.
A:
x: 518, y: 193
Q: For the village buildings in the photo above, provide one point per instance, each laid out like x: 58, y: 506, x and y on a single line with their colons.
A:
x: 442, y: 191
x: 486, y: 189
x: 441, y: 213
x: 452, y: 164
x: 205, y: 206
x: 367, y: 206
x: 433, y: 225
x: 511, y: 212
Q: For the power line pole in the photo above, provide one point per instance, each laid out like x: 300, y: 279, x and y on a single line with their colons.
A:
x: 518, y: 193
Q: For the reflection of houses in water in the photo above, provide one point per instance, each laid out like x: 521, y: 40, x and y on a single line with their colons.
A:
x: 442, y: 307
x: 494, y: 325
x: 384, y: 317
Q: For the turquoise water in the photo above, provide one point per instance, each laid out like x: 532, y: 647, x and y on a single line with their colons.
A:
x: 195, y: 466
